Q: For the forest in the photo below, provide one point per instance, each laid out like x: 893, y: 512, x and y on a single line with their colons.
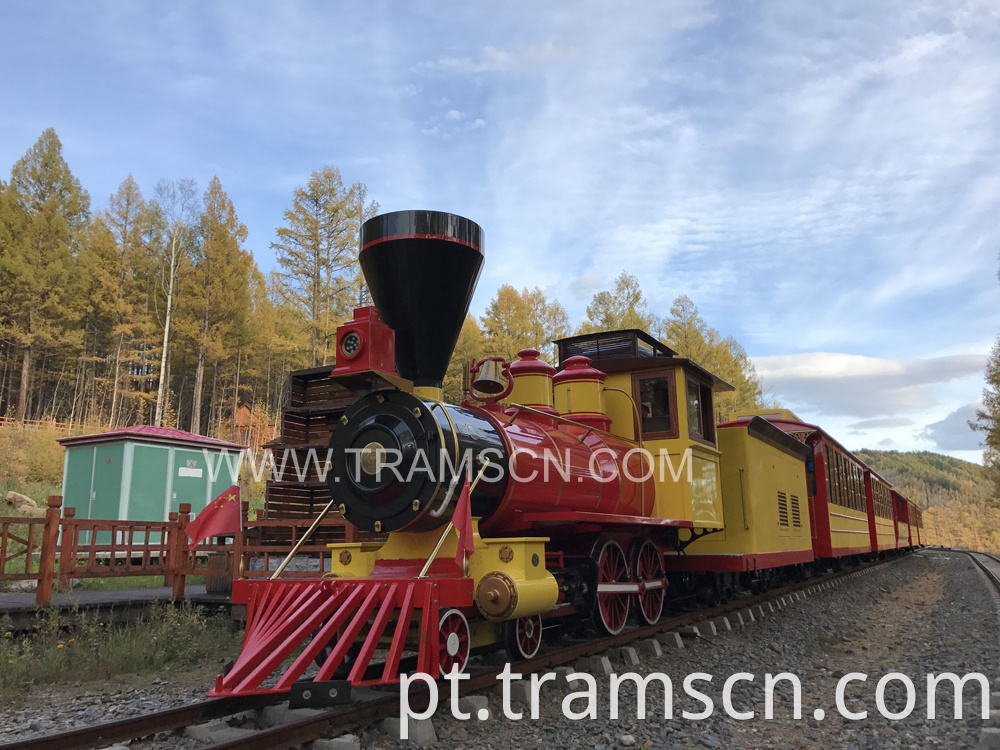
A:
x: 151, y: 309
x: 962, y: 506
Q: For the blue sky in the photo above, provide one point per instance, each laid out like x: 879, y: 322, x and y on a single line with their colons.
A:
x: 824, y: 184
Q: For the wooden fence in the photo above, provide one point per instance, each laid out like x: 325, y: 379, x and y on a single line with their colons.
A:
x: 59, y: 547
x: 35, y: 424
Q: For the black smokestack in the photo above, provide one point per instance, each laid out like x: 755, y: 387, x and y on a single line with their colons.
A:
x: 422, y: 268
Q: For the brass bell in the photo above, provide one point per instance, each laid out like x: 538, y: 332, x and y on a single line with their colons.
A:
x: 488, y: 378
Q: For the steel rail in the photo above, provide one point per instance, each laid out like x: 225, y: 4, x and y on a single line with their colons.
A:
x: 348, y: 718
x: 352, y: 717
x: 991, y: 574
x: 142, y: 726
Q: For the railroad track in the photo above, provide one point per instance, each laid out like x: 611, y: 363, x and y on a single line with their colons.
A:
x: 143, y: 726
x: 989, y: 564
x: 365, y: 713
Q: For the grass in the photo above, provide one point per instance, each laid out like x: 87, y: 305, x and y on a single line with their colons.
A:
x: 77, y: 647
x: 132, y: 582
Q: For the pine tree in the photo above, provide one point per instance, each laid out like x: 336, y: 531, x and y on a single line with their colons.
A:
x: 46, y: 214
x: 317, y: 251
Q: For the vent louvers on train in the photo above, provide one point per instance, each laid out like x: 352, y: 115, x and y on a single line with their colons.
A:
x: 796, y: 517
x: 782, y: 509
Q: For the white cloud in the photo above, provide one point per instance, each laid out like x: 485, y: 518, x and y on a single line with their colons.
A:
x: 814, y: 179
x: 584, y: 287
x: 953, y: 433
x: 868, y: 387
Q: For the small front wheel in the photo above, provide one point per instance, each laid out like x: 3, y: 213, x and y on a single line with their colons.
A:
x: 454, y: 642
x: 522, y: 638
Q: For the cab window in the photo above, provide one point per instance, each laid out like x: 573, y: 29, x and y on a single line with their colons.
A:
x: 655, y: 398
x: 701, y: 421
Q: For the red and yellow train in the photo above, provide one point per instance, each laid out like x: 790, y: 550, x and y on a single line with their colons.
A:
x: 599, y: 490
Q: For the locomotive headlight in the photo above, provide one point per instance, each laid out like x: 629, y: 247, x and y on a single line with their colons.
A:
x: 350, y: 345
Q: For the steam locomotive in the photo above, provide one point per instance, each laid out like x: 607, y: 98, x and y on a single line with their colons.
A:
x: 594, y: 490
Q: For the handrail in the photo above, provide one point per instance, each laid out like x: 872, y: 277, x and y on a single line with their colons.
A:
x: 558, y: 417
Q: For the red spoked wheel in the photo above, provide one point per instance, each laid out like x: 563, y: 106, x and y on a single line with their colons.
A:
x: 647, y: 562
x: 453, y: 643
x: 614, y: 587
x: 522, y: 638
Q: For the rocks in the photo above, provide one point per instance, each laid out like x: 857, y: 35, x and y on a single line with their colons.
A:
x: 17, y: 500
x: 59, y: 708
x: 853, y: 627
x: 722, y: 624
x: 708, y: 629
x: 344, y: 742
x: 649, y: 648
x: 282, y: 714
x: 474, y: 704
x: 594, y: 665
x: 670, y: 640
x: 629, y: 656
x: 865, y: 625
x: 419, y: 731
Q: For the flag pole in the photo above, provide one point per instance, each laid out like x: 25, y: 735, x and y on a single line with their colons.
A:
x: 451, y: 525
x: 305, y: 537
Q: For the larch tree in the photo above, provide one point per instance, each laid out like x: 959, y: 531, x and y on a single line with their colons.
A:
x: 173, y: 211
x: 217, y: 290
x: 471, y: 345
x: 694, y: 339
x: 317, y: 251
x: 522, y: 320
x: 988, y: 417
x: 622, y: 307
x: 126, y: 217
x: 48, y: 211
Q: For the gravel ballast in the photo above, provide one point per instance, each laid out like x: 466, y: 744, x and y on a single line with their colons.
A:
x: 930, y: 612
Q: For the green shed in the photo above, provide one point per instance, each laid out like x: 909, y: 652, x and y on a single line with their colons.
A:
x: 144, y: 473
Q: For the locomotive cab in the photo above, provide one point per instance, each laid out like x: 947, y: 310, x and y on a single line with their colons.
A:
x: 665, y: 404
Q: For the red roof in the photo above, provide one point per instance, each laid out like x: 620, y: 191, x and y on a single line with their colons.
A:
x: 148, y: 433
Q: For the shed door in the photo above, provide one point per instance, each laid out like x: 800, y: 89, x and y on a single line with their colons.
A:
x: 190, y: 480
x: 107, y: 491
x: 79, y: 479
x: 148, y: 497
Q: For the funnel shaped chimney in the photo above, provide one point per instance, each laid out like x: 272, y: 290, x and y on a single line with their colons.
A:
x: 422, y: 268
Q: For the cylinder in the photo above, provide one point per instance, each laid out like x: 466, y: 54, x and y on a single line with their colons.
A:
x: 394, y: 456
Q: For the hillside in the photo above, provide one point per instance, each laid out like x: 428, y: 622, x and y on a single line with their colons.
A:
x: 962, y: 508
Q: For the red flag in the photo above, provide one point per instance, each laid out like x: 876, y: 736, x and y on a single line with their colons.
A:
x: 462, y: 521
x: 221, y: 516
